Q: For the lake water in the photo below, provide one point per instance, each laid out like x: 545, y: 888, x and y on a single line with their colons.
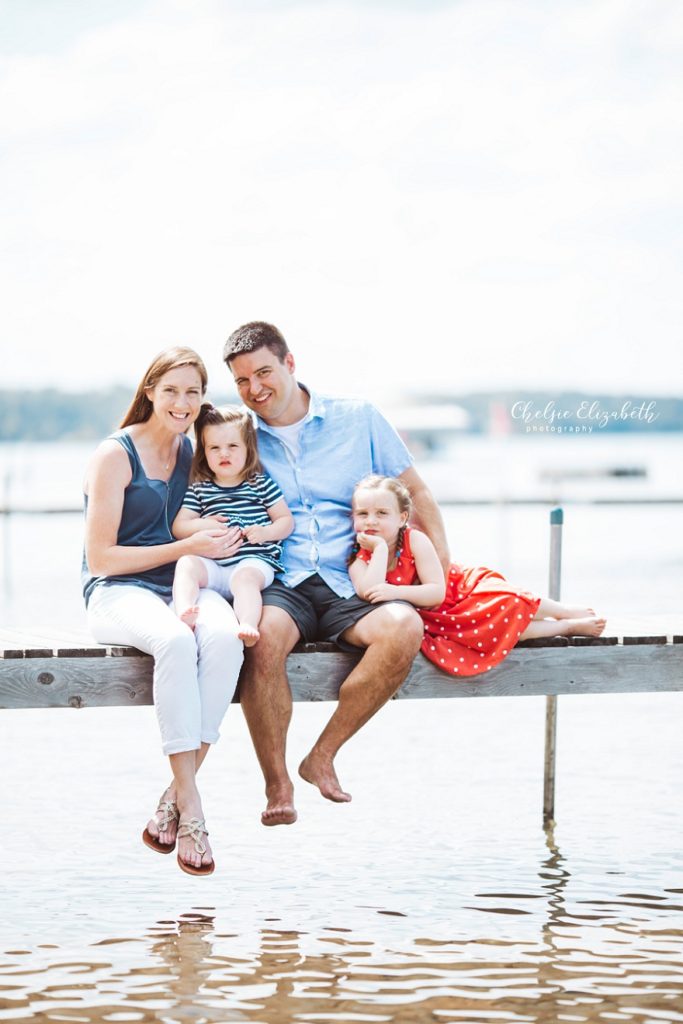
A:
x: 435, y: 896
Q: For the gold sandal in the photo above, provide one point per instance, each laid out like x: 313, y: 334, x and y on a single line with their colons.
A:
x: 169, y: 812
x: 195, y: 828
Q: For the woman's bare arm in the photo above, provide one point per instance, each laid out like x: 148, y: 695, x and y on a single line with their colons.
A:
x: 108, y: 476
x: 188, y: 522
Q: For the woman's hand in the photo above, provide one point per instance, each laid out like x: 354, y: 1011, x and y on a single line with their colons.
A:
x: 214, y: 522
x: 370, y: 541
x: 380, y: 592
x: 215, y: 543
x: 188, y: 522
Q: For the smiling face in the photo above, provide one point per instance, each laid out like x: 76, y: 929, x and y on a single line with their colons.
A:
x: 267, y: 386
x: 376, y: 511
x: 176, y: 398
x: 226, y: 453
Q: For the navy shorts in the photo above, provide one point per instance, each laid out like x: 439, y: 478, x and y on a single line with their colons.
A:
x: 319, y: 613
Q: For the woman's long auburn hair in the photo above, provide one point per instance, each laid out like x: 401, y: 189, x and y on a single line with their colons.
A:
x: 140, y: 409
x: 210, y: 416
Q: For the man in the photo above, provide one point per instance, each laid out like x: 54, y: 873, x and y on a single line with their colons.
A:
x: 317, y: 449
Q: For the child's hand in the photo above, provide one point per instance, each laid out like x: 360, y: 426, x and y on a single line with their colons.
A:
x: 369, y: 541
x: 380, y: 592
x: 254, y: 534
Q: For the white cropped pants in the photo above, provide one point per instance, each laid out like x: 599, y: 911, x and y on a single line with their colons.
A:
x: 195, y: 674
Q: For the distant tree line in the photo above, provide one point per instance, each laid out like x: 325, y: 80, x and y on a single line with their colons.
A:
x: 49, y: 414
x: 53, y: 415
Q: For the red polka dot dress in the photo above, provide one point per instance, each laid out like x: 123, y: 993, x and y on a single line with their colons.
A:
x: 471, y: 632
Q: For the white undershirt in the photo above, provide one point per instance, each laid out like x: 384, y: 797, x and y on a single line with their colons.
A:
x: 290, y: 436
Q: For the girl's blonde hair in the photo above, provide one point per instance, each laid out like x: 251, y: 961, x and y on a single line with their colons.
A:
x: 140, y: 409
x: 375, y: 482
x: 210, y: 416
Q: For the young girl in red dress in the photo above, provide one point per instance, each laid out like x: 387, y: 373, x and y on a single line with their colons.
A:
x: 475, y: 618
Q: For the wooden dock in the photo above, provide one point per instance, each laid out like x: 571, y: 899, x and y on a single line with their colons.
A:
x: 48, y: 668
x: 42, y: 668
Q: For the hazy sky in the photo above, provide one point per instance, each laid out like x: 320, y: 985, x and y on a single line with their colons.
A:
x: 466, y: 194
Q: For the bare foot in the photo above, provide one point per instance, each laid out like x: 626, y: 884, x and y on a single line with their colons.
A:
x: 280, y: 809
x: 190, y: 616
x: 319, y: 771
x: 590, y: 626
x: 163, y: 826
x: 248, y: 634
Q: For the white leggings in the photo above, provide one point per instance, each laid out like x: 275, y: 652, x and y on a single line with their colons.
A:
x: 195, y: 674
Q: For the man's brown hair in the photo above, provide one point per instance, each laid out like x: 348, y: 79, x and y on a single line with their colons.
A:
x: 252, y: 336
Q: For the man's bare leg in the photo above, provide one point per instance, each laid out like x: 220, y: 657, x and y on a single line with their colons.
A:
x: 392, y: 635
x: 267, y: 705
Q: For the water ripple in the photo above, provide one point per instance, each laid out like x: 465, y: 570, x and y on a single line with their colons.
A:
x: 630, y: 970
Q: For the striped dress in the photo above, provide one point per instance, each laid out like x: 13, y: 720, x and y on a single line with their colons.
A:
x: 245, y: 505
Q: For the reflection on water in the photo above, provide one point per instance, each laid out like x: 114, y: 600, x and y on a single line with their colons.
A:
x: 433, y: 897
x: 618, y: 957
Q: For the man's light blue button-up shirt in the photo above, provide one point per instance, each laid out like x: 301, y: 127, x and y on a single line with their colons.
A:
x: 342, y: 440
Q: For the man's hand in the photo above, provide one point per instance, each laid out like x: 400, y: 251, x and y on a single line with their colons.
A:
x: 380, y: 592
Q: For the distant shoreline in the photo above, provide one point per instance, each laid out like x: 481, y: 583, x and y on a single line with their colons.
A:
x: 53, y: 415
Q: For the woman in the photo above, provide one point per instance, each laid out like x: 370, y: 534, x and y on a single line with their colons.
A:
x: 133, y: 491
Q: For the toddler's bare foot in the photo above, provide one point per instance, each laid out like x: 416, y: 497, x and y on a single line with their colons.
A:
x: 248, y: 634
x: 589, y: 626
x: 190, y: 616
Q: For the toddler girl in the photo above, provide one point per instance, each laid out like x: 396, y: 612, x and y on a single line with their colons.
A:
x: 474, y: 619
x: 228, y: 484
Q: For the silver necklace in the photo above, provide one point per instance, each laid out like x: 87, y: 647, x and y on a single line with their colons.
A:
x: 170, y: 457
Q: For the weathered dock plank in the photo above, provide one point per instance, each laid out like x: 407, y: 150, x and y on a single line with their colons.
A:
x: 97, y: 676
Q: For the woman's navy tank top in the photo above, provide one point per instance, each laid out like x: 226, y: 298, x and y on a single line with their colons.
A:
x: 149, y: 508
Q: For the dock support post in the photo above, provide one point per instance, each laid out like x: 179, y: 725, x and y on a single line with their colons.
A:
x: 554, y: 577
